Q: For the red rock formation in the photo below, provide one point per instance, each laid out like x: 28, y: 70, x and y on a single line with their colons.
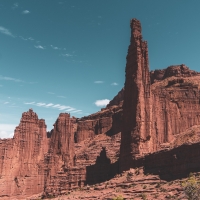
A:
x: 61, y: 172
x: 117, y: 100
x: 83, y: 151
x: 174, y: 70
x: 175, y: 107
x: 21, y: 167
x: 106, y: 121
x: 136, y: 107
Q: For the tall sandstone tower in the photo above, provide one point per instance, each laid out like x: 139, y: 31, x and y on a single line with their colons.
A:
x: 21, y: 168
x: 136, y: 108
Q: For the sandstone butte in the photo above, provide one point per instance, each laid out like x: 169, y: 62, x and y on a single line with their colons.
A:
x: 152, y: 126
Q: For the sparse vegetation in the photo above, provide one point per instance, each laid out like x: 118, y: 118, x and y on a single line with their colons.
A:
x: 191, y: 188
x: 144, y: 187
x: 119, y: 198
x: 144, y: 196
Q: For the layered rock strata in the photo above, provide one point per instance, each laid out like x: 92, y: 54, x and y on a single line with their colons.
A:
x: 107, y: 121
x: 21, y: 158
x: 136, y: 132
x: 60, y: 161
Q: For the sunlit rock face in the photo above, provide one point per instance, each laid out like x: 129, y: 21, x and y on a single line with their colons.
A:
x: 137, y: 119
x: 154, y: 111
x: 21, y: 165
x: 158, y: 105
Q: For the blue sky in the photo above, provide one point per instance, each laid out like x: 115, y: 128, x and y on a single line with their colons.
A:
x: 70, y: 55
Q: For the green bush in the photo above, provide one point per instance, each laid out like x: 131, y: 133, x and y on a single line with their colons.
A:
x: 192, y: 188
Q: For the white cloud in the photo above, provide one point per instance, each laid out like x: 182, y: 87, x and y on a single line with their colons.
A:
x: 6, y: 102
x: 5, y: 31
x: 64, y: 107
x: 114, y: 84
x: 49, y: 105
x: 15, y: 5
x: 101, y: 103
x: 55, y: 48
x: 56, y: 106
x: 70, y: 109
x: 25, y: 12
x: 39, y: 47
x: 67, y: 55
x: 62, y: 97
x: 10, y: 79
x: 76, y: 111
x: 50, y: 93
x: 1, y: 85
x: 29, y: 38
x: 40, y: 104
x: 31, y: 103
x: 23, y: 38
x: 98, y: 82
x: 7, y: 130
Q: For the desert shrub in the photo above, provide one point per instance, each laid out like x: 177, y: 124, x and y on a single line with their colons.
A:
x: 144, y: 196
x: 119, y: 198
x: 191, y: 188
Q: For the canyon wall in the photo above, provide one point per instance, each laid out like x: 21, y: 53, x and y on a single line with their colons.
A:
x: 158, y: 105
x: 107, y: 121
x: 22, y: 157
x: 137, y: 128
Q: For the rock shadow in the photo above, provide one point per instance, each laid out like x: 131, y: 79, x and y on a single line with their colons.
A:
x: 102, y: 170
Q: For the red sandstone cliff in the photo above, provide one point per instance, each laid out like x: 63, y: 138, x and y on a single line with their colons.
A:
x: 136, y: 131
x: 155, y: 111
x: 21, y: 158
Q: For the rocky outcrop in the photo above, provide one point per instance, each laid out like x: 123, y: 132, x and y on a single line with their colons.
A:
x: 108, y: 121
x: 175, y: 107
x: 61, y: 173
x: 136, y: 107
x: 22, y: 157
x: 117, y: 100
x: 174, y: 70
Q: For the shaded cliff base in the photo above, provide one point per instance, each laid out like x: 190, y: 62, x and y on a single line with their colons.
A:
x: 132, y: 184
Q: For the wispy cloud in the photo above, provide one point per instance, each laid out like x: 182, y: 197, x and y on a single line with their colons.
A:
x: 67, y: 55
x: 1, y: 85
x: 10, y: 79
x: 25, y: 12
x: 76, y: 111
x: 114, y: 84
x: 51, y: 105
x: 39, y: 47
x: 55, y: 48
x: 98, y: 82
x: 50, y: 93
x: 15, y: 6
x: 62, y: 97
x: 5, y: 31
x: 29, y: 38
x: 101, y: 103
x: 31, y: 103
x: 6, y: 102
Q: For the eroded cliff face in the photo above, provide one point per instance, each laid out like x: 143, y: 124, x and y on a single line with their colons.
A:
x: 21, y: 158
x: 107, y: 121
x: 61, y: 172
x: 136, y: 130
x: 175, y: 107
x: 157, y: 106
x: 157, y: 110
